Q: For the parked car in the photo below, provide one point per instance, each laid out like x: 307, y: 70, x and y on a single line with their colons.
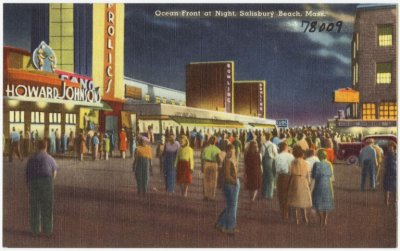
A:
x: 350, y: 151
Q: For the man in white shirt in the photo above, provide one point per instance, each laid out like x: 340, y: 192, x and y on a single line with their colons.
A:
x: 282, y: 167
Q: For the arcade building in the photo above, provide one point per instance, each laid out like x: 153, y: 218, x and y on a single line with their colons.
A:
x: 73, y: 79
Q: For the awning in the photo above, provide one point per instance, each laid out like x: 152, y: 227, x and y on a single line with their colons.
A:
x: 207, y: 122
x: 257, y: 125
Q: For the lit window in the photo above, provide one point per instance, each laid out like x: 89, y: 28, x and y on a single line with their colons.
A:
x: 357, y: 41
x: 70, y: 118
x: 354, y: 49
x: 172, y: 101
x: 384, y: 73
x: 385, y: 35
x: 55, y: 118
x: 388, y: 110
x: 158, y: 100
x: 369, y: 111
x: 164, y: 100
x: 12, y: 118
x: 356, y: 73
x: 17, y: 116
x: 147, y: 98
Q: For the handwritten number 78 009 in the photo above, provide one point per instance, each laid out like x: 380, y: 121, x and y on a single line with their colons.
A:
x: 314, y: 26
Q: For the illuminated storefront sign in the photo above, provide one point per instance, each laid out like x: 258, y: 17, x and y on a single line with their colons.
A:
x: 260, y: 100
x: 84, y: 81
x: 346, y: 95
x: 282, y: 123
x: 109, y: 55
x: 46, y: 92
x: 228, y: 98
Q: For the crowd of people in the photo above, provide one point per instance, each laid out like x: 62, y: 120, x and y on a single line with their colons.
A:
x: 295, y: 164
x: 98, y: 145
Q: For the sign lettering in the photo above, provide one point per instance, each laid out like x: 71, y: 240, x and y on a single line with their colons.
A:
x: 109, y: 55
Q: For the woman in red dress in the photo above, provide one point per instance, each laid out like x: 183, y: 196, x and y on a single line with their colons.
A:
x: 184, y: 163
x: 122, y: 142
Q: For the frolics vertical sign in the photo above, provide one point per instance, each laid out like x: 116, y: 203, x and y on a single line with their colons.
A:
x: 261, y: 100
x: 228, y: 92
x: 109, y: 55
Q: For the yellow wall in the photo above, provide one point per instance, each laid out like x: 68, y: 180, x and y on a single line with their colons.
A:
x: 119, y: 52
x: 99, y: 44
x: 61, y: 34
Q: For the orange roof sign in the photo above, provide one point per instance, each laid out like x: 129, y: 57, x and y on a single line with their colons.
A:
x: 346, y: 95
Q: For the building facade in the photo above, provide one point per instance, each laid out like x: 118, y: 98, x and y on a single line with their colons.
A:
x: 88, y: 40
x: 38, y: 101
x: 141, y: 92
x: 209, y: 85
x: 250, y: 98
x: 374, y: 63
x: 372, y: 99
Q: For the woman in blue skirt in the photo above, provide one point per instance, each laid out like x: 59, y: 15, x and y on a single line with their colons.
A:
x: 142, y: 165
x: 169, y: 156
x: 322, y: 195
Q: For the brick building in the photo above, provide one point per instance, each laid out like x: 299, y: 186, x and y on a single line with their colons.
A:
x: 372, y: 98
x: 374, y: 64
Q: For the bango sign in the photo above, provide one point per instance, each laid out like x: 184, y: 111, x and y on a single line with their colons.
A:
x: 282, y: 123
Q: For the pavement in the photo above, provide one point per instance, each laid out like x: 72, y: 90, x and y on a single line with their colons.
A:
x: 96, y: 205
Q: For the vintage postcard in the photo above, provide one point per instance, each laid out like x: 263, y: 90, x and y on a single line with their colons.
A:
x: 200, y: 125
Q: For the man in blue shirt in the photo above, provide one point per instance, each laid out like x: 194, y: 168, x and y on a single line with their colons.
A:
x: 41, y: 170
x: 368, y: 162
x: 15, y: 138
x: 95, y: 144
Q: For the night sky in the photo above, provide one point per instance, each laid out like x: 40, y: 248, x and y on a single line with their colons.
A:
x: 301, y: 69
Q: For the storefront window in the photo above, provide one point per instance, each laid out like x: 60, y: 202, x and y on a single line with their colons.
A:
x: 55, y: 118
x: 384, y: 73
x: 70, y: 118
x: 17, y: 117
x: 369, y: 111
x: 385, y: 35
x: 37, y: 117
x: 388, y: 110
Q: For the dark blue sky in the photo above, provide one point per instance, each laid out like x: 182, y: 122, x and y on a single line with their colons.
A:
x: 301, y: 69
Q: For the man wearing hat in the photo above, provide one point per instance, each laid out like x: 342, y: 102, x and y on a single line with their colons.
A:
x: 368, y: 162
